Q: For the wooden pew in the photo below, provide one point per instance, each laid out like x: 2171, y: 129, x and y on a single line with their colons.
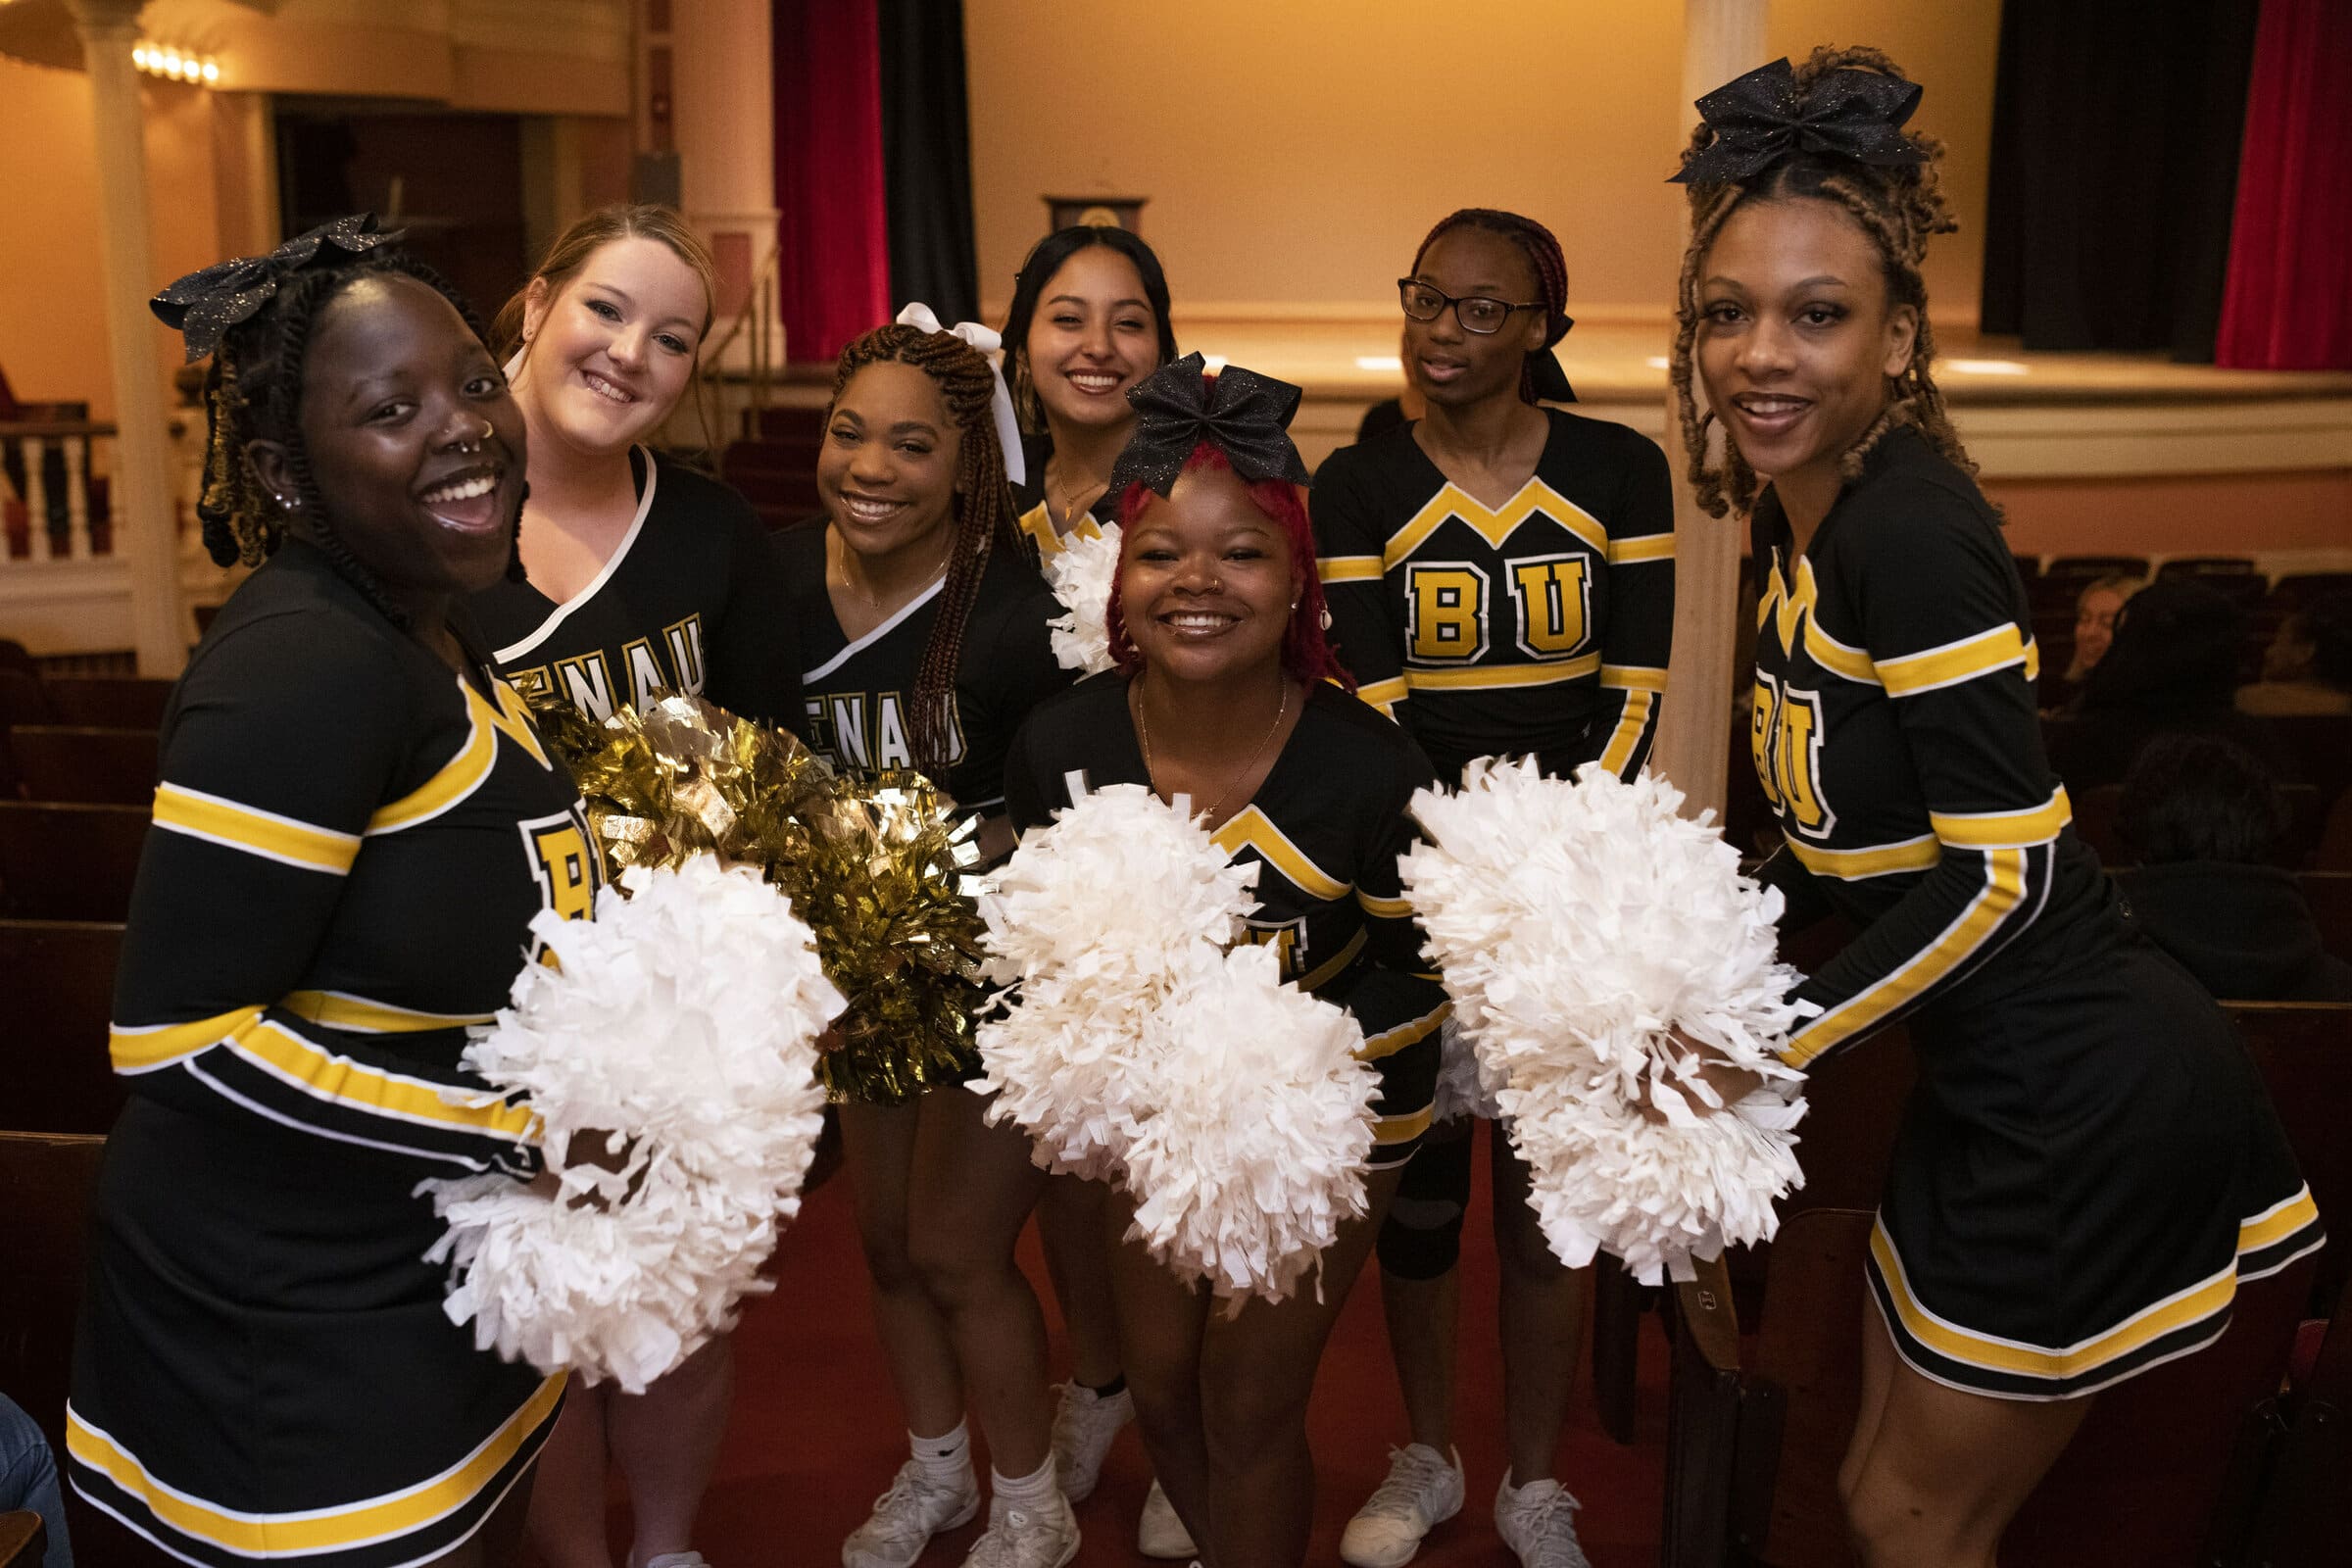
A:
x: 68, y: 862
x: 2304, y: 1050
x: 46, y: 1182
x: 110, y: 701
x: 2329, y: 895
x: 2298, y: 1520
x: 22, y: 1538
x: 84, y: 764
x: 54, y: 1073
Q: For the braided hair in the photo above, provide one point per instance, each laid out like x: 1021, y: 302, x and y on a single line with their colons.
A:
x: 1898, y: 206
x: 1543, y: 251
x: 253, y: 392
x: 984, y: 511
x: 1307, y: 653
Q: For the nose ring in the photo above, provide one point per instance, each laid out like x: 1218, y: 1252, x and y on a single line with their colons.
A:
x: 475, y: 445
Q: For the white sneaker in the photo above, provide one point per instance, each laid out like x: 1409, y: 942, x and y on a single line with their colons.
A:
x: 677, y: 1559
x: 1024, y: 1537
x: 907, y: 1516
x: 1423, y: 1491
x: 1085, y: 1424
x: 1536, y: 1523
x: 1160, y: 1531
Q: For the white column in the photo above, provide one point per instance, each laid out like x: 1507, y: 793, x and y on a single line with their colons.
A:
x: 1720, y: 38
x: 142, y: 472
x: 722, y: 118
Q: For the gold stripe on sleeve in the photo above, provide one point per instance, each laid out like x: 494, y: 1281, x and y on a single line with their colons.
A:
x: 287, y: 840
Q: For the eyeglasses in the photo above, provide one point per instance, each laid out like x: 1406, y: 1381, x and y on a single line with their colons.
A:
x: 1476, y: 314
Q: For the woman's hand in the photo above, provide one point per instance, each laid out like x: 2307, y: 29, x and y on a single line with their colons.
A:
x: 1731, y: 1082
x: 606, y: 1151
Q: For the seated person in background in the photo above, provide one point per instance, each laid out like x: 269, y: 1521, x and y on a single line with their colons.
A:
x: 2170, y: 669
x: 29, y: 1480
x: 2205, y: 816
x: 2307, y: 670
x: 2095, y: 609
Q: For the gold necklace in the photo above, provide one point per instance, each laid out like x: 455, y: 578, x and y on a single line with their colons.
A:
x: 872, y: 602
x: 1142, y: 733
x: 1070, y: 501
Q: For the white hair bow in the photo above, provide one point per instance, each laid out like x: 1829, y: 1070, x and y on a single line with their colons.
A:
x: 991, y: 348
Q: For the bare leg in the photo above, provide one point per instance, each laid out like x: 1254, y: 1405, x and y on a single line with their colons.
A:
x: 878, y: 1146
x: 1258, y: 1370
x: 1947, y: 1471
x: 1069, y: 1223
x: 1160, y: 1320
x: 1543, y: 1309
x: 1423, y: 1310
x: 1422, y: 1317
x: 666, y: 1441
x: 973, y: 1191
x: 1878, y: 1378
x: 567, y: 1507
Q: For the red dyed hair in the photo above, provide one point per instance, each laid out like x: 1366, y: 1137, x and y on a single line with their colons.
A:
x: 1305, y: 654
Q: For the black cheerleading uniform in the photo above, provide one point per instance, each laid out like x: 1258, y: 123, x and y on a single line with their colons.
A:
x: 857, y: 697
x: 693, y: 601
x: 2090, y: 1166
x: 350, y: 842
x: 1326, y: 828
x: 1541, y: 627
x: 1029, y: 502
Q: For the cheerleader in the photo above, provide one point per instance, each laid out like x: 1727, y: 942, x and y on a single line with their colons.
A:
x: 923, y: 644
x: 642, y: 575
x: 356, y: 825
x: 1089, y: 321
x: 2089, y: 1168
x: 1226, y: 696
x: 1501, y: 580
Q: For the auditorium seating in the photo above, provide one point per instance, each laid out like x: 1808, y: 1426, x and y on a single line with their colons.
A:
x: 2094, y: 825
x: 45, y: 1185
x: 68, y: 862
x: 84, y: 764
x: 54, y: 1073
x: 110, y: 701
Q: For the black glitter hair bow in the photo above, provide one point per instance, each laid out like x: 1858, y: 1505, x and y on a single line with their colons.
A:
x: 205, y: 305
x: 1245, y: 414
x: 1763, y: 116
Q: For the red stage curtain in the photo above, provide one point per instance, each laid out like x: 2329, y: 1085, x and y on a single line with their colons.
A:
x: 834, y: 231
x: 2290, y: 300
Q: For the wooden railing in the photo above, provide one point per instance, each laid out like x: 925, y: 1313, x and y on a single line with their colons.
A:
x: 55, y: 497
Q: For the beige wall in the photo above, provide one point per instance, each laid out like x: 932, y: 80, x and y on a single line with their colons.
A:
x: 51, y: 311
x: 1295, y: 151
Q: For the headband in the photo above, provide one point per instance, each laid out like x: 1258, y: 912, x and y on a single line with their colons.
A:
x: 1241, y: 413
x: 990, y: 347
x: 203, y: 306
x: 1764, y: 116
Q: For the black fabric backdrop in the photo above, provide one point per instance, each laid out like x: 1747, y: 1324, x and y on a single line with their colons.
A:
x: 927, y: 158
x: 2116, y: 129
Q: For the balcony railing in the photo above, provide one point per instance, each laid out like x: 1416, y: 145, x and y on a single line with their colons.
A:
x: 55, y: 504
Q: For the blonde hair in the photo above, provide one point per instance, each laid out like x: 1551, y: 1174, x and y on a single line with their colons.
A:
x: 592, y: 233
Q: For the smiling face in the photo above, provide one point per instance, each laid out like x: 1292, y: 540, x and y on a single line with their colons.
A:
x: 608, y: 355
x: 1455, y: 369
x: 887, y: 470
x: 1093, y: 337
x: 2094, y: 623
x: 1799, y: 337
x: 414, y: 445
x: 1206, y: 581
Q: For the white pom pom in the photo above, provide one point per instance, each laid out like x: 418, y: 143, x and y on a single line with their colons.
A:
x: 684, y: 1019
x: 1137, y: 1050
x: 1577, y: 924
x: 1081, y: 575
x: 1260, y: 1124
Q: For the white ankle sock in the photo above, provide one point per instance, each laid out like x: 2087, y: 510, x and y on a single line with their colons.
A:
x: 1035, y: 1491
x: 946, y: 1460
